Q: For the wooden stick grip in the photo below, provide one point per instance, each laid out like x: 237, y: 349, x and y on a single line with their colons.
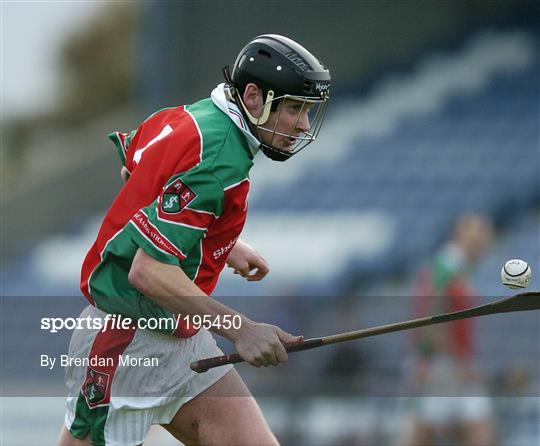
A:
x: 203, y: 365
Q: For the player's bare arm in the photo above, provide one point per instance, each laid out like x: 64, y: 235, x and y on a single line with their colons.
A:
x: 259, y: 344
x: 247, y: 262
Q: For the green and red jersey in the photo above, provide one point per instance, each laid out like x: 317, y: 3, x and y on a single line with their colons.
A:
x: 443, y: 287
x: 184, y: 203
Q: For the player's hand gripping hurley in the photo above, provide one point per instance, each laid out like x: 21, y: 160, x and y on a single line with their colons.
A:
x: 519, y: 302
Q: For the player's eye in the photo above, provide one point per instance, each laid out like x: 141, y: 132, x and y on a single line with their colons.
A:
x: 295, y: 108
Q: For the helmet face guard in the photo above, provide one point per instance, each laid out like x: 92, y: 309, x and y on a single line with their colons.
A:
x: 284, y: 71
x: 313, y: 108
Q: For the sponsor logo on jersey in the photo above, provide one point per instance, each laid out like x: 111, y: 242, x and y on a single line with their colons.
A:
x: 171, y: 203
x: 141, y: 222
x: 176, y: 197
x: 95, y: 387
x: 224, y: 249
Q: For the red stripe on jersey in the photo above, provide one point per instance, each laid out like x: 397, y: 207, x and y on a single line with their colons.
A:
x: 189, y: 217
x: 226, y: 230
x: 153, y: 235
x: 109, y: 344
x: 183, y: 329
x: 90, y: 262
x: 462, y: 297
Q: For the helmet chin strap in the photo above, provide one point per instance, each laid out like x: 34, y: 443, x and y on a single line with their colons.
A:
x: 275, y: 154
x: 265, y: 111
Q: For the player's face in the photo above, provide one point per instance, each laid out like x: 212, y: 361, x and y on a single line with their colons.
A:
x: 474, y: 235
x: 289, y: 121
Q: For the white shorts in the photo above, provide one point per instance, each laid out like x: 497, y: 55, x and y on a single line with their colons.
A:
x: 450, y: 395
x: 443, y: 410
x: 131, y: 379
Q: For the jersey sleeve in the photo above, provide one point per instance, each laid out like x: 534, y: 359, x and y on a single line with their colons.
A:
x: 179, y: 217
x: 152, y: 130
x: 122, y: 141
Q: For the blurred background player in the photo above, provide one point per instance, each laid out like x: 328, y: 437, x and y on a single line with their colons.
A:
x: 453, y: 400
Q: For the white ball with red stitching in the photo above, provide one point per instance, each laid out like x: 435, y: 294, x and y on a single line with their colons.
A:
x: 516, y: 274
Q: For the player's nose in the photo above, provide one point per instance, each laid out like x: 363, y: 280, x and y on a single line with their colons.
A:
x: 303, y: 122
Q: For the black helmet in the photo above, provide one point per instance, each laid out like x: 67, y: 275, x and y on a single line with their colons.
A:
x: 283, y: 69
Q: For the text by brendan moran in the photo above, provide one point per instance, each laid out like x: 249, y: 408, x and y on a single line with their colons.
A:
x: 94, y: 361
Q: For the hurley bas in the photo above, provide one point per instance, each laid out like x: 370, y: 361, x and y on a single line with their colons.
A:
x: 95, y: 361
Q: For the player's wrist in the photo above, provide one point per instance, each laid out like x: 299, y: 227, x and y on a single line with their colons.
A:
x: 233, y: 334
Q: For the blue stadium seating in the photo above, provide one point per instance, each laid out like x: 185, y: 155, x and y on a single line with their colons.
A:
x: 479, y: 151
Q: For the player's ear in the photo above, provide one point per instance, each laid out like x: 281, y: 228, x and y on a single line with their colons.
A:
x: 253, y: 99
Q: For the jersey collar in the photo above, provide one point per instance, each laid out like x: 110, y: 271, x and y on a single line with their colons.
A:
x: 219, y: 98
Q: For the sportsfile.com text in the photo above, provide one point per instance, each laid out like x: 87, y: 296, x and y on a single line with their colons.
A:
x: 119, y: 322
